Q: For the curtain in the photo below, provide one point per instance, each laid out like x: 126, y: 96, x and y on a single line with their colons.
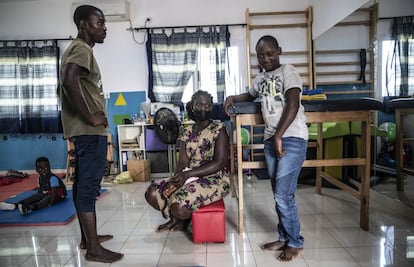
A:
x: 173, y: 59
x: 402, y: 61
x: 28, y: 82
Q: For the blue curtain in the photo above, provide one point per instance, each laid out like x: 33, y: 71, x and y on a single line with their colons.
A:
x: 403, y: 35
x: 28, y: 83
x: 172, y: 60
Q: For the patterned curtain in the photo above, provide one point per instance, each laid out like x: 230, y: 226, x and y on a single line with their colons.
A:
x: 403, y: 35
x: 173, y: 59
x: 28, y: 82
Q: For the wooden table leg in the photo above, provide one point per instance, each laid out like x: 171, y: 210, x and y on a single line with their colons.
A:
x: 240, y: 175
x: 366, y: 175
x: 399, y: 150
x: 319, y: 156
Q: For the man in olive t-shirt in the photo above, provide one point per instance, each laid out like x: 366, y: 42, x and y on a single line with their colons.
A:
x: 85, y: 123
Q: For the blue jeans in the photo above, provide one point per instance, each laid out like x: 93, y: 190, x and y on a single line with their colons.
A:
x: 90, y: 163
x: 283, y: 173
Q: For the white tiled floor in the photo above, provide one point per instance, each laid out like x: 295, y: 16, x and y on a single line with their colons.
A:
x: 330, y: 225
x: 388, y: 187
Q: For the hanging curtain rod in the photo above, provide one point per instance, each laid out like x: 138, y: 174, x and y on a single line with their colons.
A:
x: 392, y: 17
x: 180, y: 27
x: 40, y: 40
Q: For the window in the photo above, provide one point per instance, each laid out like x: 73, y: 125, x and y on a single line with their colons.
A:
x: 205, y: 75
x: 398, y: 59
x: 391, y: 69
x: 28, y: 83
x: 186, y: 61
x: 390, y: 79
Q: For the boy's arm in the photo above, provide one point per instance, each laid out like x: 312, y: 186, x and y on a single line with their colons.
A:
x: 230, y: 100
x: 289, y: 113
x: 53, y: 196
x: 54, y: 184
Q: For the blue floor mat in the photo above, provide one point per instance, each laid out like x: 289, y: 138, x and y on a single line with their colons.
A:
x: 59, y: 213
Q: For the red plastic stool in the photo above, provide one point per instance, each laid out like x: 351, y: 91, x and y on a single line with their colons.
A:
x: 209, y: 223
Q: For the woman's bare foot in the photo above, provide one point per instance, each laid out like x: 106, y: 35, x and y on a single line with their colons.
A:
x: 101, y: 254
x: 274, y: 246
x: 101, y: 239
x: 166, y: 226
x: 173, y: 225
x: 289, y: 254
x: 180, y: 225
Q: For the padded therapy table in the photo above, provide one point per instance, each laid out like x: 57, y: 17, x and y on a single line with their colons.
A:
x: 317, y: 111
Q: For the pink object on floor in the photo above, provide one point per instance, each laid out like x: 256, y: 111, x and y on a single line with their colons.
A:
x: 28, y: 183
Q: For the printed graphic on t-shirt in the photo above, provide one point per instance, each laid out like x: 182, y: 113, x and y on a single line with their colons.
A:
x: 270, y: 87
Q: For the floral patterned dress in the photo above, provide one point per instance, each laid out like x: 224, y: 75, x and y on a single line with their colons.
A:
x: 200, y: 191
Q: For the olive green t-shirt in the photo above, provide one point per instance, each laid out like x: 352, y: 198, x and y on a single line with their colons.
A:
x: 73, y: 122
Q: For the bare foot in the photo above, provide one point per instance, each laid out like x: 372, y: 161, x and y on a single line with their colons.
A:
x: 101, y: 239
x: 274, y: 246
x: 166, y: 226
x: 289, y: 254
x: 173, y: 225
x: 180, y: 225
x: 102, y: 254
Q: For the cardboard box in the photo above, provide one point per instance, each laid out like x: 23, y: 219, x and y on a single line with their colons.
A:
x: 139, y: 170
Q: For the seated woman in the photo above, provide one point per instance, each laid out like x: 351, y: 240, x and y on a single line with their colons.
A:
x: 202, y: 175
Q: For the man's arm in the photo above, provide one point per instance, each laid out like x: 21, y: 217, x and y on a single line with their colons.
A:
x: 71, y: 83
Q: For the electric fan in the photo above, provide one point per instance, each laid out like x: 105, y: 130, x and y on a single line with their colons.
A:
x: 167, y: 128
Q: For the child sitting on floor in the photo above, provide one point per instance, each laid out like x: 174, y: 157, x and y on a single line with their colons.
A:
x: 51, y: 189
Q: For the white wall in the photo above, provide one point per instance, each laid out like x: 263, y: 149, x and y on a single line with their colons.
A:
x: 329, y: 12
x: 123, y: 61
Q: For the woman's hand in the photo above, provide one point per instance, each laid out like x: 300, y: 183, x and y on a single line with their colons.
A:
x: 179, y: 179
x: 169, y: 190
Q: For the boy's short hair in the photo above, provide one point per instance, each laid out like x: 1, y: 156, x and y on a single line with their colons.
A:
x: 83, y: 12
x: 268, y: 39
x: 42, y: 159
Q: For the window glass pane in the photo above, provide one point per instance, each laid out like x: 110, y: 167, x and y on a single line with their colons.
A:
x: 207, y: 67
x: 390, y: 62
x: 391, y: 69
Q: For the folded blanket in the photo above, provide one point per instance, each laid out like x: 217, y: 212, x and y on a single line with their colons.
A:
x: 314, y: 97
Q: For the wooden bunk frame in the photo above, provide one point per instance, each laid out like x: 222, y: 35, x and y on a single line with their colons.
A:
x: 342, y: 67
x: 252, y: 120
x: 304, y: 20
x: 362, y: 194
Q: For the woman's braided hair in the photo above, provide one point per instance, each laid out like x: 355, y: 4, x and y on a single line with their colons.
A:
x: 189, y: 105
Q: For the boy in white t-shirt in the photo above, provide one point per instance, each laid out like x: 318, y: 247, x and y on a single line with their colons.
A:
x: 279, y: 89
